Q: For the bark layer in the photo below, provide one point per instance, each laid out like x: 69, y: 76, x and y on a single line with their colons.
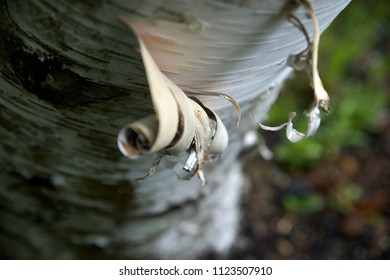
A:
x: 70, y: 78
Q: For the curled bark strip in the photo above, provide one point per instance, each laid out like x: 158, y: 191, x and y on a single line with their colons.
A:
x: 225, y: 96
x: 306, y: 60
x: 180, y: 124
x: 320, y: 94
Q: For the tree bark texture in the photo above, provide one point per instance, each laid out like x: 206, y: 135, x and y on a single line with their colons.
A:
x: 71, y: 76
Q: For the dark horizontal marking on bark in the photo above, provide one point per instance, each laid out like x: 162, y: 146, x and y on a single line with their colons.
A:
x: 51, y: 81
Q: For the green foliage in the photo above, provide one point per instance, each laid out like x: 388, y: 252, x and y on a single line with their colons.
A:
x: 344, y: 198
x: 355, y: 73
x: 308, y: 203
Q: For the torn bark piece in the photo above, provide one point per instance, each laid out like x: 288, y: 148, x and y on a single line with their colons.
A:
x: 222, y: 95
x: 136, y: 139
x: 210, y: 136
x: 180, y: 124
x: 291, y: 133
x: 321, y: 97
x: 310, y: 62
x: 153, y: 168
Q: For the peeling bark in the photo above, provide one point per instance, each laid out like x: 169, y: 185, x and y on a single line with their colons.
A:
x: 70, y: 78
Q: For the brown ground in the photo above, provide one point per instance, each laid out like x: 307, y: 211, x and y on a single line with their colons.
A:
x: 338, y: 209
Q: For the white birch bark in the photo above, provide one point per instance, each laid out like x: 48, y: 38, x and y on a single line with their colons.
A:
x: 71, y: 77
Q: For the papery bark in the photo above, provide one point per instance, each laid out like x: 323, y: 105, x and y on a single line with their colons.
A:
x: 71, y: 77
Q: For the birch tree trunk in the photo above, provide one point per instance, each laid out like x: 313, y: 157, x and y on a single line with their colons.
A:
x: 71, y: 77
